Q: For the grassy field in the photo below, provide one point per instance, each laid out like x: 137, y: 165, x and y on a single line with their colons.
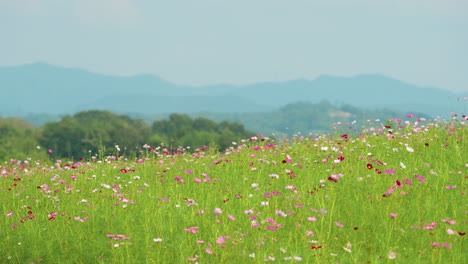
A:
x: 395, y: 193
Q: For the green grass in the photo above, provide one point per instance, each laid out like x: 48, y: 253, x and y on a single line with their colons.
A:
x: 278, y: 200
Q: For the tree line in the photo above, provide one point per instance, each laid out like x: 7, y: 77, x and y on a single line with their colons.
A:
x: 89, y: 132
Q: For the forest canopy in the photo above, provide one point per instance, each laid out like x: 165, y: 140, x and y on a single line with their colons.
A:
x: 89, y: 132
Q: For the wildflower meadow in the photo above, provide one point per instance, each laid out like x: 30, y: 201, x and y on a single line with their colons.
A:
x: 376, y: 191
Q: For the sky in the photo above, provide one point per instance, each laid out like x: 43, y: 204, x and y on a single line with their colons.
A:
x: 205, y: 42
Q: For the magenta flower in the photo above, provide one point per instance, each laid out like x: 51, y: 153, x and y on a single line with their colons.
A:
x: 209, y: 251
x: 450, y: 187
x: 408, y: 181
x: 231, y: 217
x: 312, y: 219
x: 435, y: 244
x: 188, y: 171
x: 421, y: 178
x: 393, y: 215
x: 389, y: 171
x: 398, y: 184
x: 220, y: 240
x: 192, y: 229
x: 431, y: 226
x: 339, y: 224
x: 446, y: 245
x: 177, y: 178
x: 197, y: 180
x: 9, y: 214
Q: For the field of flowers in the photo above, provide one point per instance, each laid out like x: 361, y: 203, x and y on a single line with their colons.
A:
x: 394, y: 193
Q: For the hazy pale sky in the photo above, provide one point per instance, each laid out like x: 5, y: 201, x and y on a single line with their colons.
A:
x: 200, y: 42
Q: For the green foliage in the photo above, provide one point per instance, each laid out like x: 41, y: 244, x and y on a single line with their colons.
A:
x: 88, y: 133
x: 93, y: 131
x: 18, y: 139
x: 182, y: 130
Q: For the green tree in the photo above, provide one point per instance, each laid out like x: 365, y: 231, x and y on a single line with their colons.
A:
x: 18, y: 140
x: 95, y: 131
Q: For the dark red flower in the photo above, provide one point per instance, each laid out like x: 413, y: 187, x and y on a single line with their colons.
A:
x: 331, y: 179
x: 369, y: 166
x: 51, y: 218
x: 461, y: 233
x: 315, y: 247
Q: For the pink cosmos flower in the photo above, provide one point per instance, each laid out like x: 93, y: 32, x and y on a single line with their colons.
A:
x: 217, y: 211
x: 197, y: 180
x: 393, y: 215
x: 450, y: 187
x: 9, y: 214
x: 431, y: 226
x: 435, y: 244
x: 408, y: 181
x: 389, y: 171
x: 231, y: 217
x: 446, y: 245
x: 209, y: 251
x: 312, y: 219
x: 339, y: 224
x: 192, y: 229
x: 421, y: 178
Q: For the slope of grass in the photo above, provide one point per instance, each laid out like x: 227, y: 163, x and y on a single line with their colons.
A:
x: 391, y: 194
